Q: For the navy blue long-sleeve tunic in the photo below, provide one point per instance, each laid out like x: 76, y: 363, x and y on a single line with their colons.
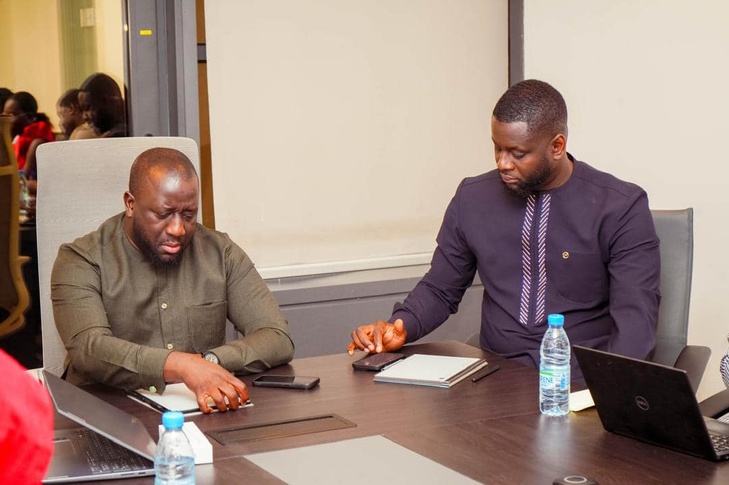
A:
x: 587, y: 250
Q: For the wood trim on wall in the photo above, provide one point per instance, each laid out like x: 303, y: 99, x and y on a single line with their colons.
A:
x: 206, y: 176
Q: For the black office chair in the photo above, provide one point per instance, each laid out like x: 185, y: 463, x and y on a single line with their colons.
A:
x: 675, y: 229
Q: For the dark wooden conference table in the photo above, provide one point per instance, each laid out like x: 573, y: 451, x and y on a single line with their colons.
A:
x: 490, y: 431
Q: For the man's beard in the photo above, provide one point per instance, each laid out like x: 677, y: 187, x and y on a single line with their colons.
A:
x: 530, y: 186
x: 149, y: 250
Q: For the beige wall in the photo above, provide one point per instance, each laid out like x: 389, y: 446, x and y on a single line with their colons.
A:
x: 341, y: 128
x: 646, y: 85
x: 31, y: 59
x: 7, y: 61
x: 33, y: 63
x: 109, y: 39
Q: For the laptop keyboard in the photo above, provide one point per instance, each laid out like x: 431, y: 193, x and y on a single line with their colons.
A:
x: 720, y: 442
x: 104, y: 456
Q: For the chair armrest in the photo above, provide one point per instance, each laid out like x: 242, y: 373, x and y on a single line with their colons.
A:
x: 716, y: 405
x: 693, y: 359
x: 474, y: 340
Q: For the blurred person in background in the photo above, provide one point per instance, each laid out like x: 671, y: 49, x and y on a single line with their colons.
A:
x: 29, y: 129
x: 103, y: 106
x: 5, y: 93
x: 71, y: 117
x: 724, y: 367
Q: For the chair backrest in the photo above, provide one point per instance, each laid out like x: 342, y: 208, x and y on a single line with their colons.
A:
x: 14, y: 298
x: 675, y: 228
x: 81, y: 184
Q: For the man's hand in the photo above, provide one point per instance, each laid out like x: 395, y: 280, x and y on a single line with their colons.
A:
x: 207, y: 380
x: 378, y: 337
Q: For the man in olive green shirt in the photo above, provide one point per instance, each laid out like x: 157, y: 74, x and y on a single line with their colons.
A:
x: 143, y: 300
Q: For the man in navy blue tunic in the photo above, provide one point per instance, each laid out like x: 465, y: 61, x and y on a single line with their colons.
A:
x: 546, y: 233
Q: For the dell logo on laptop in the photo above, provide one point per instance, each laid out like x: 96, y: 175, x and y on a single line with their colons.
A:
x: 642, y: 403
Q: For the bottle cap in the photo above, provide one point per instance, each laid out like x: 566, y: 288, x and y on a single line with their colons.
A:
x: 555, y: 319
x: 172, y: 420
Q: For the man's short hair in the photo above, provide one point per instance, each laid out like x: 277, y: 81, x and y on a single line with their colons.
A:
x: 537, y: 104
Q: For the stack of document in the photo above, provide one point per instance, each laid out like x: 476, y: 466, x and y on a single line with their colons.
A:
x: 431, y: 370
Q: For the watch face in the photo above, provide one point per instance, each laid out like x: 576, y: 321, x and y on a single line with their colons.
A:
x: 211, y: 357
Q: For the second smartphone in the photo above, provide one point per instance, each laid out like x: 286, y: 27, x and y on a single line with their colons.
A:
x: 377, y: 362
x: 287, y: 382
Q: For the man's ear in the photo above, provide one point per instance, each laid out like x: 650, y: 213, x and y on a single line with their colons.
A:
x: 128, y: 204
x: 558, y: 147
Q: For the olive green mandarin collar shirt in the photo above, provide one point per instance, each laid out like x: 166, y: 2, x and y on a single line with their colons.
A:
x: 119, y: 317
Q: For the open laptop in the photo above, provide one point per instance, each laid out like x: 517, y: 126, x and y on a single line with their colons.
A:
x: 111, y: 444
x: 651, y: 403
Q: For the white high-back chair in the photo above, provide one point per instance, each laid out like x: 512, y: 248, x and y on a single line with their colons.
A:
x: 81, y: 184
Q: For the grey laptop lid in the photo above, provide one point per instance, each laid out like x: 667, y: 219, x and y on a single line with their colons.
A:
x: 101, y: 417
x: 648, y: 402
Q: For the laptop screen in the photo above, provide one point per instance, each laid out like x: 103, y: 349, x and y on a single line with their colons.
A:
x: 100, y: 416
x: 645, y: 401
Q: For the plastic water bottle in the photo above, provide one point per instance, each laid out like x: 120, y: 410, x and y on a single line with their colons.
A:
x: 24, y: 201
x: 174, y: 462
x: 554, y: 369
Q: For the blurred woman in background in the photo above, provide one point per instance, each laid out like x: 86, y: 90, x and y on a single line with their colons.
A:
x: 29, y: 129
x: 71, y: 117
x: 103, y: 106
x: 5, y: 93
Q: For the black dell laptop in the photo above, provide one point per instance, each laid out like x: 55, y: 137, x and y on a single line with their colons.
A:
x: 652, y: 403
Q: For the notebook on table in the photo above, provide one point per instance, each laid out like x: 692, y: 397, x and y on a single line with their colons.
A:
x: 652, y: 403
x: 431, y: 370
x: 177, y: 397
x: 110, y: 444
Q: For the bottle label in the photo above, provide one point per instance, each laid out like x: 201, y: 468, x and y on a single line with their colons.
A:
x: 553, y: 380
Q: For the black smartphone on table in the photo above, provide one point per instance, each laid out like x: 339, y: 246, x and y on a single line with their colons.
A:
x: 377, y: 362
x: 287, y: 382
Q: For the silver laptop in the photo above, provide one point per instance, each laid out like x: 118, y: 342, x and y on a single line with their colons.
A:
x: 652, y: 403
x: 111, y: 444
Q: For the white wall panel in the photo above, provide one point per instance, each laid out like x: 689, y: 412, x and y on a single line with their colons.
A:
x: 646, y: 87
x: 341, y: 128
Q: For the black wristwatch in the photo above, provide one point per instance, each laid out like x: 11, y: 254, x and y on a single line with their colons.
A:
x: 211, y: 357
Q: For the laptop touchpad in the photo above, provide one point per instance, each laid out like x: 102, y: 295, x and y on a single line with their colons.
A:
x: 62, y: 448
